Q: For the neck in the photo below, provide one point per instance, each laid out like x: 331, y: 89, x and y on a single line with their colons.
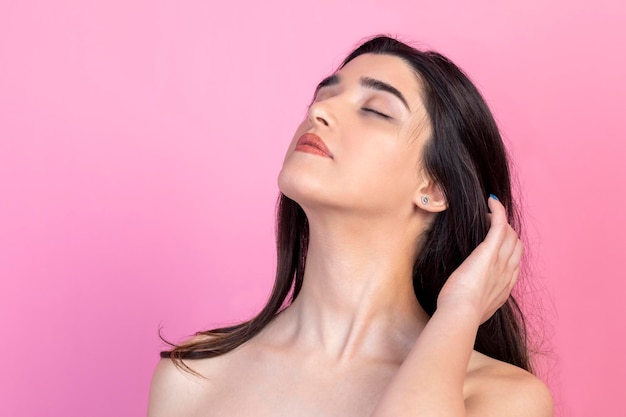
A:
x: 357, y: 296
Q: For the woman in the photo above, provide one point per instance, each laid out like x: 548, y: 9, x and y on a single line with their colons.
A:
x: 394, y: 266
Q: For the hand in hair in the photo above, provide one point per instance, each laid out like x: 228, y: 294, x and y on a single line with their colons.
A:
x: 483, y: 282
x: 431, y: 381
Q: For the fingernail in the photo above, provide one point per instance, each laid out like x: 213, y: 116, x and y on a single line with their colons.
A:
x: 494, y: 197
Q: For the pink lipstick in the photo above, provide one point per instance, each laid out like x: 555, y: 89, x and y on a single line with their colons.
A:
x: 313, y: 144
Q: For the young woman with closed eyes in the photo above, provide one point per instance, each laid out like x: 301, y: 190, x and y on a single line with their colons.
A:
x: 395, y: 266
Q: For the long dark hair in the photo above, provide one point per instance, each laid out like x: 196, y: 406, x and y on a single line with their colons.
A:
x: 465, y: 155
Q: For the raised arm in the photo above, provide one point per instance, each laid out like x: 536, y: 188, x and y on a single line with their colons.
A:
x: 431, y: 380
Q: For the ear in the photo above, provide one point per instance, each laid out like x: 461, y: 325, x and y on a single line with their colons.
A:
x: 429, y: 196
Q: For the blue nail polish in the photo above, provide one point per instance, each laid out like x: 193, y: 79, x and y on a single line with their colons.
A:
x: 494, y: 197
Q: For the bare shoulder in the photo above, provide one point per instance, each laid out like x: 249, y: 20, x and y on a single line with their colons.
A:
x: 497, y: 388
x: 175, y: 391
x: 172, y: 391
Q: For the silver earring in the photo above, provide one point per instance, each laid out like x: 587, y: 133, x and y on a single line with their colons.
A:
x: 425, y: 200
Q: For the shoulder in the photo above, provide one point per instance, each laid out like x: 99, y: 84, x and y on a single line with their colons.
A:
x: 172, y: 390
x: 176, y: 391
x: 497, y: 388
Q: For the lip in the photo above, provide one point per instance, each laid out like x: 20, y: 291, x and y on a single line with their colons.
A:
x: 313, y: 144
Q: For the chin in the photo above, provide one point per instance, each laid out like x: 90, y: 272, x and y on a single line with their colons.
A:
x: 294, y: 186
x: 303, y: 188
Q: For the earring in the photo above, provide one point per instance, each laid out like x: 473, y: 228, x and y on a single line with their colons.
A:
x: 425, y: 200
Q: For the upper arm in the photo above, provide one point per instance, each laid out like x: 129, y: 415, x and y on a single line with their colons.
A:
x: 171, y: 391
x: 522, y: 395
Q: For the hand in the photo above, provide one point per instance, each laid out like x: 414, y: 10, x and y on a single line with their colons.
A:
x: 483, y: 282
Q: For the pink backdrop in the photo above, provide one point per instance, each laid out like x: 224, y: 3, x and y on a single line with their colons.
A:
x: 140, y: 142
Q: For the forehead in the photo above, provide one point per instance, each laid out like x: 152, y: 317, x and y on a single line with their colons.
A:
x: 387, y: 68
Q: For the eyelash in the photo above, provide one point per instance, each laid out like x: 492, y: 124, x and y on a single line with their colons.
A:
x: 364, y: 109
x: 383, y: 115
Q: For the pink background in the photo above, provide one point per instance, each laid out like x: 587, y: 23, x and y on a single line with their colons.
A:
x: 140, y: 143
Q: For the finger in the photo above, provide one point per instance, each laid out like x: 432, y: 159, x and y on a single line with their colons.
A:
x: 515, y: 277
x: 518, y: 252
x: 508, y: 244
x: 516, y: 257
x: 497, y: 209
x: 498, y: 221
x: 515, y: 264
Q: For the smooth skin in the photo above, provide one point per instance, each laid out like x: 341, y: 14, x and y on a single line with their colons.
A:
x: 356, y: 342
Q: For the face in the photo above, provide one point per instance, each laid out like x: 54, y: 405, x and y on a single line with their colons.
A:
x: 372, y: 124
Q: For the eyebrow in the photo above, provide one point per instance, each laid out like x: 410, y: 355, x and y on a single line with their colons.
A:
x: 327, y: 82
x: 366, y: 82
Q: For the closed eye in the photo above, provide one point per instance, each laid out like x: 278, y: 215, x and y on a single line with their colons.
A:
x: 376, y: 112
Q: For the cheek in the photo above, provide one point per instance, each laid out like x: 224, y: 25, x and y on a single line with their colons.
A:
x: 381, y: 150
x: 392, y: 166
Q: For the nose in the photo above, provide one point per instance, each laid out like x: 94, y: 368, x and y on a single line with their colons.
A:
x: 319, y: 115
